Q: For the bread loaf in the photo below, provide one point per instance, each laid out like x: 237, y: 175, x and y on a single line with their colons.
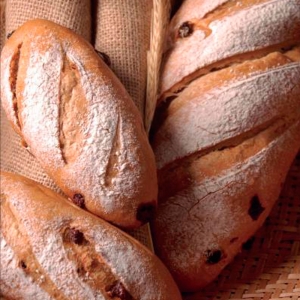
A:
x: 225, y: 142
x: 79, y: 122
x: 51, y: 249
x: 208, y: 35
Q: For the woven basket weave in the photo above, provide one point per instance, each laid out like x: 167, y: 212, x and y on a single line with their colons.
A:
x: 269, y: 266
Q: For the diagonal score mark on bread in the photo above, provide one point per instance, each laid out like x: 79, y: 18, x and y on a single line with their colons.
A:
x: 203, y: 16
x: 71, y: 109
x: 223, y: 64
x: 36, y: 264
x: 226, y: 130
x: 256, y: 36
x: 216, y: 205
x: 53, y: 250
x: 9, y: 82
x: 87, y: 264
x: 112, y: 170
x: 214, y: 160
x: 14, y: 68
x: 71, y: 105
x: 280, y: 56
x: 231, y: 110
x: 27, y: 268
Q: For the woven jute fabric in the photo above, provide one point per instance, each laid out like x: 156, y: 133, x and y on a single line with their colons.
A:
x: 269, y: 265
x: 16, y: 159
x: 122, y: 31
x: 76, y: 15
x: 2, y: 24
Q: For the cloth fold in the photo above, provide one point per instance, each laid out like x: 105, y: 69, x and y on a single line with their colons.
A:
x: 122, y: 31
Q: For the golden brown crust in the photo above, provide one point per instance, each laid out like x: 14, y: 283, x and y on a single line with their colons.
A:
x: 209, y: 35
x: 223, y: 151
x: 52, y: 249
x: 79, y: 122
x: 232, y: 97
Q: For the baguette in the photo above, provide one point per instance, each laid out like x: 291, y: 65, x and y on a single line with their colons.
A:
x: 225, y: 141
x: 51, y: 249
x: 79, y: 122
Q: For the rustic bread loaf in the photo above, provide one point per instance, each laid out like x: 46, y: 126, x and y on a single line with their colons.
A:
x: 225, y: 142
x: 79, y: 122
x: 206, y: 35
x: 51, y: 249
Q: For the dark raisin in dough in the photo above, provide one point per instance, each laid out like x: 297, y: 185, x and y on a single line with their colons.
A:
x: 76, y: 236
x: 213, y: 256
x: 22, y: 264
x: 185, y: 30
x: 255, y: 208
x: 78, y: 199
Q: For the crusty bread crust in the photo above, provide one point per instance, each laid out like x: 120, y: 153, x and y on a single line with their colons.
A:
x: 51, y: 249
x: 208, y: 35
x: 79, y: 122
x: 203, y: 224
x: 225, y: 106
x: 223, y: 150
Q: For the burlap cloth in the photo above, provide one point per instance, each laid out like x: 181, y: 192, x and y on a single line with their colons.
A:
x: 120, y: 28
x: 123, y: 32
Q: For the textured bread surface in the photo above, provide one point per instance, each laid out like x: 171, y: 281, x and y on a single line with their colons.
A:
x: 228, y: 105
x: 207, y: 35
x: 79, y: 122
x: 225, y: 141
x: 51, y: 249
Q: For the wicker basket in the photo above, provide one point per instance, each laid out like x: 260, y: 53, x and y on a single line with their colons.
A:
x: 269, y: 266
